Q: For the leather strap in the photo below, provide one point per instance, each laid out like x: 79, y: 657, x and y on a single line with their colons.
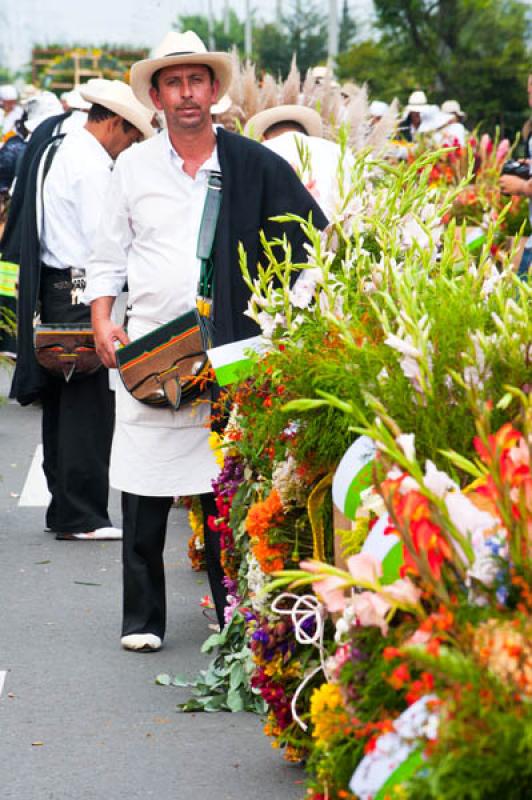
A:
x: 206, y: 235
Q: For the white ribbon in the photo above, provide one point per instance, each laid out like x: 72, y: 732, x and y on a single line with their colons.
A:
x: 305, y: 607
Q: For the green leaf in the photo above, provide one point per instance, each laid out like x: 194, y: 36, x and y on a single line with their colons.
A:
x: 191, y: 705
x: 235, y: 701
x: 307, y: 404
x: 237, y: 676
x: 213, y: 641
x: 163, y: 680
x: 181, y: 681
x: 215, y: 703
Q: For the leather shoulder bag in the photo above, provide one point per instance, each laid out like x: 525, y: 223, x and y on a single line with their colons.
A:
x: 169, y: 367
x: 66, y: 350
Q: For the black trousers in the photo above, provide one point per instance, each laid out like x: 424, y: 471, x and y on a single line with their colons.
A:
x: 77, y: 427
x: 144, y: 531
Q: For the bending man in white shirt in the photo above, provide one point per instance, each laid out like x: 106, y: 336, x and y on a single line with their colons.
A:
x: 78, y: 414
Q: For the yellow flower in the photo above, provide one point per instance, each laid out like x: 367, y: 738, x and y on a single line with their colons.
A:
x: 328, y: 716
x: 215, y: 442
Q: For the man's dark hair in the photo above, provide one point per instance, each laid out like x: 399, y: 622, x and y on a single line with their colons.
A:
x: 98, y: 113
x: 283, y: 125
x: 155, y: 76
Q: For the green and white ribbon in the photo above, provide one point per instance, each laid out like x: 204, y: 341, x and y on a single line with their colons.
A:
x: 387, y: 548
x: 353, y: 476
x: 232, y: 362
x: 401, y: 775
x: 475, y: 238
x: 8, y: 278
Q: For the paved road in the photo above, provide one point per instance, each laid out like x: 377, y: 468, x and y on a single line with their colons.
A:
x: 80, y: 719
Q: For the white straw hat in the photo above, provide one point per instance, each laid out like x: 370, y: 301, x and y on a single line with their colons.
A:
x: 378, y: 108
x: 8, y: 92
x: 74, y: 99
x: 452, y: 107
x: 118, y: 97
x: 417, y: 102
x: 179, y: 48
x: 41, y: 107
x: 307, y: 117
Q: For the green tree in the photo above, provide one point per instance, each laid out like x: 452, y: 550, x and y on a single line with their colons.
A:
x: 472, y: 50
x: 347, y: 30
x: 371, y: 63
x: 222, y: 40
x: 306, y: 34
x: 271, y: 49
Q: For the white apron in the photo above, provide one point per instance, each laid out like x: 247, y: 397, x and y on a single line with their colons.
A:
x: 158, y: 452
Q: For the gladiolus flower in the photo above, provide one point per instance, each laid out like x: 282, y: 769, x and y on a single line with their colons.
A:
x: 330, y: 591
x: 371, y: 609
x: 364, y: 568
x: 403, y: 592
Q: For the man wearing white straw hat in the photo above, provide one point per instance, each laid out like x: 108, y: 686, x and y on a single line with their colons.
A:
x: 64, y: 195
x: 149, y: 235
x: 416, y: 106
x: 295, y: 132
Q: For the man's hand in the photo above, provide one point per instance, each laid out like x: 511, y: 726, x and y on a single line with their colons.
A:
x: 106, y: 335
x: 510, y: 184
x: 106, y: 332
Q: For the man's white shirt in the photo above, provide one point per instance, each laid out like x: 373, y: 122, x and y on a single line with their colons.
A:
x: 321, y: 175
x: 73, y: 195
x: 149, y: 232
x: 148, y: 235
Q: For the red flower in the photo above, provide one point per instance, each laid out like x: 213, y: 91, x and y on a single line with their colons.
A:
x: 399, y: 676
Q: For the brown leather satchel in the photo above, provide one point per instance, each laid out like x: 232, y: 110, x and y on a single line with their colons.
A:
x: 169, y: 367
x: 66, y: 350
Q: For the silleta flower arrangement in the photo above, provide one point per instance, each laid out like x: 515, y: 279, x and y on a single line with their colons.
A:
x: 397, y: 330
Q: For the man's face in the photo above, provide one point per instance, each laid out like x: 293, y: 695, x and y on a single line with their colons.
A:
x: 120, y: 139
x: 185, y: 94
x: 530, y: 91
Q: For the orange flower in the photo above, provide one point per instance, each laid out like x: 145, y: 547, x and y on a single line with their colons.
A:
x: 264, y: 515
x: 399, y: 676
x: 412, y: 510
x: 262, y: 518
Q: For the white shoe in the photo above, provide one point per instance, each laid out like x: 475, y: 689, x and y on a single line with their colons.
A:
x: 100, y: 534
x: 141, y: 642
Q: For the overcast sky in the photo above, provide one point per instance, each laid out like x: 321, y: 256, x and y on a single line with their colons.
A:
x: 136, y: 22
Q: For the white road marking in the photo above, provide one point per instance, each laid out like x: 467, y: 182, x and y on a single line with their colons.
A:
x: 35, y: 491
x: 3, y: 674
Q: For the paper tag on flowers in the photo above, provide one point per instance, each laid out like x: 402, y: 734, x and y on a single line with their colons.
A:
x: 231, y: 362
x: 354, y: 474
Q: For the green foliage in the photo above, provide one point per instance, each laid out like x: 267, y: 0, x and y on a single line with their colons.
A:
x: 224, y: 685
x: 370, y: 697
x: 449, y: 39
x: 225, y: 37
x: 301, y: 30
x: 378, y: 66
x: 389, y: 290
x: 348, y: 28
x: 483, y: 752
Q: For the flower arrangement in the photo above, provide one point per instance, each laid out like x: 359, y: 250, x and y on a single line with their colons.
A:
x: 397, y: 330
x: 456, y: 631
x: 196, y: 541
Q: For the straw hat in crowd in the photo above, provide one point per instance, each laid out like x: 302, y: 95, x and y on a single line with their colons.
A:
x: 179, y: 48
x: 119, y: 98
